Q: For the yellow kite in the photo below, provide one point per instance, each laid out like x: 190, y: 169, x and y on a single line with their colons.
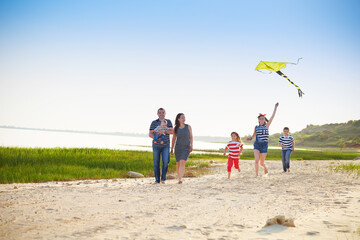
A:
x: 275, y: 67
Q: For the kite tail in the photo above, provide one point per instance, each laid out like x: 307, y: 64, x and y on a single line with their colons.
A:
x: 297, y: 87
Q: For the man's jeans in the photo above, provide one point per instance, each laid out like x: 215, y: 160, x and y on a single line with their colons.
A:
x: 285, y: 154
x: 164, y: 151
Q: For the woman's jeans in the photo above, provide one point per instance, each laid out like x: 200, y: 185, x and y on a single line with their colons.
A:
x: 286, y: 159
x: 164, y: 151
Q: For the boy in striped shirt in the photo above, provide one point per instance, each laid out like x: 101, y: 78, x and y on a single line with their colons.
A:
x: 287, y: 143
x: 235, y: 147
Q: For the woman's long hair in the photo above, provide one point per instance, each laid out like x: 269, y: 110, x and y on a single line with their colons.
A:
x: 237, y: 136
x: 177, y: 122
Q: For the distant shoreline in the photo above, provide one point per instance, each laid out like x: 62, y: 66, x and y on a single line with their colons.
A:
x: 76, y: 131
x: 329, y: 136
x: 199, y: 138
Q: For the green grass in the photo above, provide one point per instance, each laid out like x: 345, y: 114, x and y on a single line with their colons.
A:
x: 62, y: 164
x: 349, y: 167
x: 275, y: 154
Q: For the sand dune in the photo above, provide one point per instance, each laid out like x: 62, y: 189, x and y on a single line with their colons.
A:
x: 323, y: 204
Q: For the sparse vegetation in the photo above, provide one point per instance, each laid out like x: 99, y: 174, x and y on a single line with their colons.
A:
x: 349, y: 167
x: 62, y: 164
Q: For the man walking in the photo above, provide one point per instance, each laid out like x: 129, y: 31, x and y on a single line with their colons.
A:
x: 161, y: 149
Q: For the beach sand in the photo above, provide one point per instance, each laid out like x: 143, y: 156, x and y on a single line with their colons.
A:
x: 323, y: 204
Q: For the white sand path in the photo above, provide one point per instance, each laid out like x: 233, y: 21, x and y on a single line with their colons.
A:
x: 324, y: 205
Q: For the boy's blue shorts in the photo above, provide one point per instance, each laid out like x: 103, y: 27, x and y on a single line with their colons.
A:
x: 261, y: 146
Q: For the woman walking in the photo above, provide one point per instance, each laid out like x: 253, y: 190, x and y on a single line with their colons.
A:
x: 183, y: 142
x: 262, y: 137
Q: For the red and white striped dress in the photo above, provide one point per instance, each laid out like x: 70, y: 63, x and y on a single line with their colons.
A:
x: 234, y: 149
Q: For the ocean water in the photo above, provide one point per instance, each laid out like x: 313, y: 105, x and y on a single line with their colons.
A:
x: 49, y: 139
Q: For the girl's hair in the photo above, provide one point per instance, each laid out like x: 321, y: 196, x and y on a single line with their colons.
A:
x: 177, y: 122
x: 263, y: 115
x: 237, y: 136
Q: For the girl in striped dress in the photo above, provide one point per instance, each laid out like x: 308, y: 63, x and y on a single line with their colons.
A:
x: 235, y: 147
x: 261, y: 132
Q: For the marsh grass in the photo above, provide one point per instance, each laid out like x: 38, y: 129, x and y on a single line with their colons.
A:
x: 353, y: 168
x: 23, y: 165
x: 62, y: 164
x: 275, y: 154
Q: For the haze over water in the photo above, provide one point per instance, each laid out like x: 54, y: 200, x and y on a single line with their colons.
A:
x: 50, y: 139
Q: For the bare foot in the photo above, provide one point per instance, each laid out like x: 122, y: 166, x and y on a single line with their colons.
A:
x: 284, y: 172
x: 288, y: 170
x: 266, y: 171
x: 155, y: 183
x: 180, y: 182
x: 163, y: 182
x: 239, y: 170
x: 162, y: 142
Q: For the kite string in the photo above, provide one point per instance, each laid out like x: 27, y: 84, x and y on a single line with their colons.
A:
x: 297, y: 61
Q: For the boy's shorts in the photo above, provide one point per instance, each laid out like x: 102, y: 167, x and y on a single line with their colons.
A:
x: 262, y: 147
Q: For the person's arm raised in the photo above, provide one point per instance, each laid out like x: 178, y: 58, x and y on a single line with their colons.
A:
x: 272, y: 116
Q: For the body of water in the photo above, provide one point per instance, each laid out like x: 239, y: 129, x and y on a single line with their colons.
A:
x: 49, y: 139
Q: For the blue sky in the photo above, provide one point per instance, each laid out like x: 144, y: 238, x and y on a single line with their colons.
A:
x: 108, y: 65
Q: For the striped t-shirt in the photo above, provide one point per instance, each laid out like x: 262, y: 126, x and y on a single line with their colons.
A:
x: 262, y: 133
x: 234, y: 148
x: 287, y: 142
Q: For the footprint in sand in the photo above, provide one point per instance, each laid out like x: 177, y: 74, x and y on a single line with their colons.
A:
x: 181, y: 227
x: 239, y: 226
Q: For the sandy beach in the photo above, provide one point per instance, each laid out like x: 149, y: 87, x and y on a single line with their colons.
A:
x: 323, y: 204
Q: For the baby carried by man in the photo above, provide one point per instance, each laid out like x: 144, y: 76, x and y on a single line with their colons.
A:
x: 158, y: 137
